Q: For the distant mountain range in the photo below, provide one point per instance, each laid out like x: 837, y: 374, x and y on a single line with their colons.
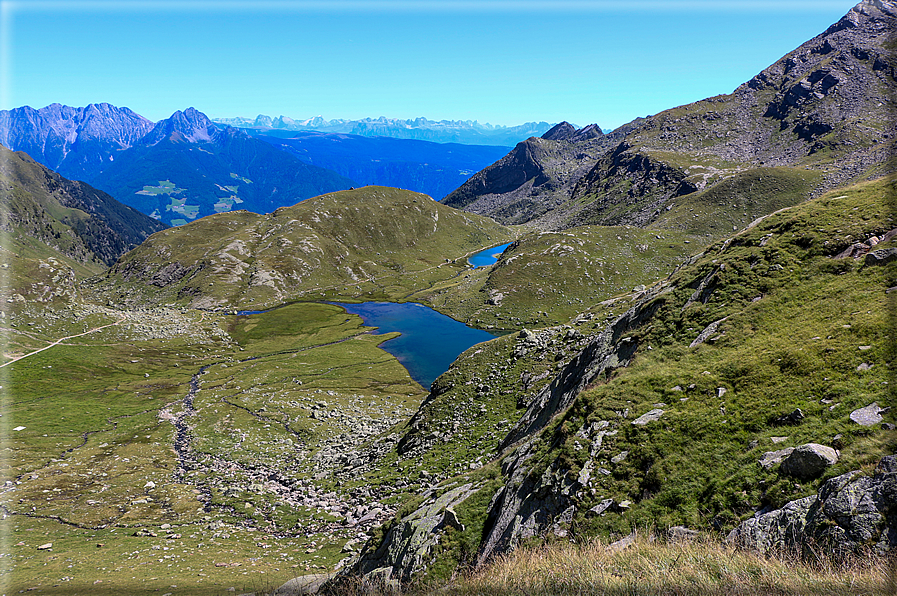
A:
x: 818, y: 118
x: 78, y: 143
x: 468, y: 132
x: 186, y: 166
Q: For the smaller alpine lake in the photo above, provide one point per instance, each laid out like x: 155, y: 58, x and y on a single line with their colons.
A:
x: 429, y: 341
x: 487, y: 257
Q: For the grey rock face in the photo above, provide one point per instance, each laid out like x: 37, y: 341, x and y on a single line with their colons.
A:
x: 528, y: 505
x: 851, y: 514
x: 869, y: 415
x: 606, y: 351
x: 809, y: 461
x: 771, y: 458
x: 881, y: 257
x: 76, y: 142
x: 407, y: 547
x: 304, y: 584
x: 651, y: 416
x: 560, y: 132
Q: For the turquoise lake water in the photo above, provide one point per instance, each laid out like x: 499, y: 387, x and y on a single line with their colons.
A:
x: 430, y: 341
x: 487, y: 257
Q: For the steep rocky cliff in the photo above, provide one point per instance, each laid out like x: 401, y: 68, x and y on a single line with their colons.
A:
x: 535, y: 177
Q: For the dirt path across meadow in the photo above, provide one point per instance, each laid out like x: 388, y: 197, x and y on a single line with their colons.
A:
x: 62, y: 339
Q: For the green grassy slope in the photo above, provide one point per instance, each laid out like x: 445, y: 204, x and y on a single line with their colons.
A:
x: 267, y: 437
x: 546, y: 278
x: 799, y: 326
x: 65, y: 218
x: 373, y: 242
x: 215, y: 488
x: 737, y: 200
x: 796, y: 328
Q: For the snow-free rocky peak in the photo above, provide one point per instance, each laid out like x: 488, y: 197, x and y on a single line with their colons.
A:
x: 188, y: 126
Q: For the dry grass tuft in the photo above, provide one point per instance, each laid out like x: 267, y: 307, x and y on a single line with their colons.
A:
x: 654, y: 568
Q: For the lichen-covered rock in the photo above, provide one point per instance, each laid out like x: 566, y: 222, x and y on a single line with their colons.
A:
x: 880, y: 257
x: 408, y: 545
x: 771, y: 458
x: 852, y: 514
x: 647, y: 417
x: 529, y: 505
x: 869, y: 415
x: 304, y: 584
x: 809, y: 461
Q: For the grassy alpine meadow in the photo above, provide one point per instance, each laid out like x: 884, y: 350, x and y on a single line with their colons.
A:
x: 547, y: 278
x: 173, y: 447
x: 786, y: 322
x: 793, y: 329
x: 368, y: 244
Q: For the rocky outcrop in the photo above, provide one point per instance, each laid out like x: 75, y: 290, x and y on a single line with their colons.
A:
x: 560, y: 132
x: 534, y: 503
x: 528, y: 505
x: 881, y: 257
x: 536, y: 177
x: 605, y: 352
x: 304, y: 584
x: 631, y: 187
x: 408, y: 544
x: 853, y: 514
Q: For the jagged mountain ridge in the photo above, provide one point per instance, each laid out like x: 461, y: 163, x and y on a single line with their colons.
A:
x: 175, y: 170
x: 76, y: 142
x: 187, y: 167
x: 534, y: 178
x: 72, y: 218
x: 831, y: 99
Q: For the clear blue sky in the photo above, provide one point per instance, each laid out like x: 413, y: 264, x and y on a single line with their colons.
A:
x: 503, y: 62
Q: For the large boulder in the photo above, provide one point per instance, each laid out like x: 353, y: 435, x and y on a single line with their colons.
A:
x: 304, y: 584
x: 851, y: 514
x: 809, y: 461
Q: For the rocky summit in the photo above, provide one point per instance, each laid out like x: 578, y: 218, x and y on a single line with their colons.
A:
x: 821, y: 113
